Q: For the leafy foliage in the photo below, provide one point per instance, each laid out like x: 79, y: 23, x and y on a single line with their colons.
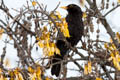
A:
x: 35, y: 26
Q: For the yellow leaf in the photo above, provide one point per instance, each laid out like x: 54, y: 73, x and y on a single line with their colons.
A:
x: 89, y: 67
x: 30, y: 70
x: 106, y: 45
x: 45, y: 51
x: 47, y: 78
x: 50, y: 53
x: 118, y: 58
x: 38, y: 73
x: 47, y: 44
x: 115, y: 57
x: 111, y: 41
x: 58, y: 14
x: 32, y: 76
x: 0, y: 70
x: 113, y: 46
x: 64, y: 27
x: 84, y: 15
x: 11, y: 73
x: 118, y: 1
x: 86, y: 69
x: 7, y: 62
x: 111, y: 57
x: 52, y: 44
x: 41, y: 45
x: 34, y: 3
x: 110, y: 48
x: 118, y: 36
x: 1, y: 32
x: 1, y: 77
x: 52, y: 49
x: 20, y: 77
x: 50, y: 23
x: 66, y: 33
x: 16, y: 71
x: 116, y: 53
x: 98, y: 78
x: 37, y: 38
x: 57, y: 51
x: 45, y: 29
x: 53, y: 16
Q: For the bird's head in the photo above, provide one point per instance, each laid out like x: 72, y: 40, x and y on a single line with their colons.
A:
x: 72, y: 8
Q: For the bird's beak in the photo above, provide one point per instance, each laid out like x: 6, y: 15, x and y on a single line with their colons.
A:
x: 64, y: 7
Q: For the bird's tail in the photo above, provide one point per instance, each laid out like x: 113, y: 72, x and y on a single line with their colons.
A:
x: 55, y: 70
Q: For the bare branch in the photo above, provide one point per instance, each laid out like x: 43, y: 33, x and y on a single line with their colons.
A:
x: 111, y: 10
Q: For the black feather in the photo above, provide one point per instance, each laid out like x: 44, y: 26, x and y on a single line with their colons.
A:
x: 76, y: 29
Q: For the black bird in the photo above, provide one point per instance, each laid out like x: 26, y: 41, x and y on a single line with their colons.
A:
x: 76, y: 29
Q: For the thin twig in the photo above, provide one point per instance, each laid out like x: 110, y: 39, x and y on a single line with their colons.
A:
x: 111, y: 10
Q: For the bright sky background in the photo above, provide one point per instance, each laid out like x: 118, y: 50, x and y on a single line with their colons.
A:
x: 113, y: 18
